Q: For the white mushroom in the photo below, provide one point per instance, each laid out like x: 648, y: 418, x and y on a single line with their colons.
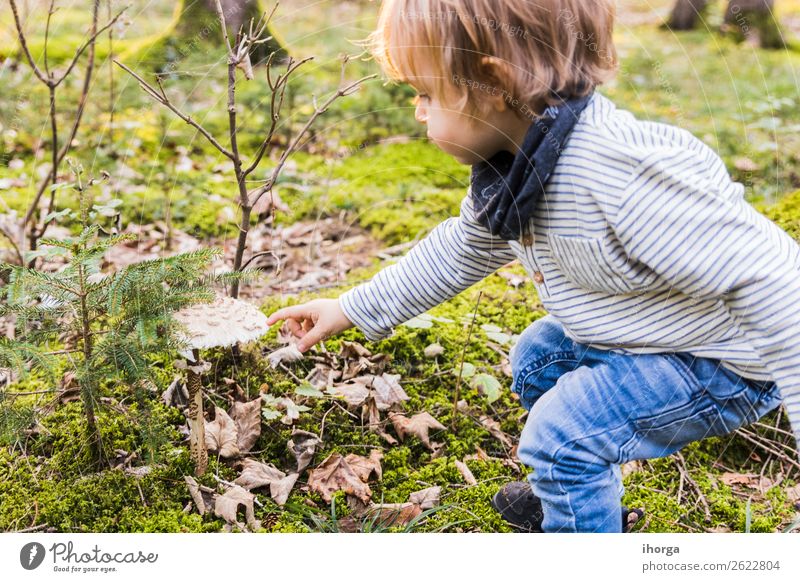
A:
x: 221, y: 323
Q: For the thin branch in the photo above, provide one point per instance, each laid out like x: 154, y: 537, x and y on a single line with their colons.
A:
x: 7, y: 235
x: 24, y: 44
x: 73, y: 132
x: 340, y: 92
x: 89, y: 42
x: 281, y: 82
x: 50, y: 13
x: 221, y: 15
x: 150, y: 90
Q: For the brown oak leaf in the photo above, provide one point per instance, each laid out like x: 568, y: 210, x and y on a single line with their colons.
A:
x: 418, y: 425
x: 303, y: 445
x: 334, y: 474
x: 355, y: 391
x: 226, y: 506
x: 394, y: 514
x: 387, y: 391
x: 258, y: 474
x: 221, y: 435
x: 426, y: 498
x: 365, y: 466
x: 247, y: 416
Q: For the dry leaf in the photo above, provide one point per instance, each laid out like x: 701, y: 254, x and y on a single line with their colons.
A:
x: 202, y: 496
x: 247, y: 416
x: 737, y: 478
x: 334, y: 474
x: 365, y: 466
x: 302, y: 445
x: 426, y: 498
x: 793, y: 493
x: 221, y: 435
x: 257, y: 474
x: 494, y: 429
x: 394, y: 514
x: 354, y: 392
x: 288, y: 353
x: 466, y: 473
x: 322, y: 376
x: 433, y: 350
x: 387, y: 391
x: 353, y: 350
x: 280, y: 490
x: 418, y: 425
x: 226, y: 506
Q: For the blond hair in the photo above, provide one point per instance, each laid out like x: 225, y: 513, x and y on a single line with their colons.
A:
x: 532, y: 52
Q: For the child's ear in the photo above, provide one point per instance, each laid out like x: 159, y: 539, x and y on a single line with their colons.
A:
x: 494, y: 70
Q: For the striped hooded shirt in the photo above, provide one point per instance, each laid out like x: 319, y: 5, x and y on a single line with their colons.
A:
x: 641, y: 243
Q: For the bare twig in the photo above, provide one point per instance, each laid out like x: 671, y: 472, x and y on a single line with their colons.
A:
x: 340, y: 92
x: 766, y: 446
x: 681, y: 464
x: 52, y: 82
x: 162, y: 98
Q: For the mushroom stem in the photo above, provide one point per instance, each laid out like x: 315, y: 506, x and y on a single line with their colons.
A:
x: 197, y: 436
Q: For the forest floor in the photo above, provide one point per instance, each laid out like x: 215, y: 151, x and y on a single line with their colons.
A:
x: 366, y: 187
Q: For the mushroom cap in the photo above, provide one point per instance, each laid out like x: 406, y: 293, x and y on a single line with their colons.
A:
x: 221, y: 323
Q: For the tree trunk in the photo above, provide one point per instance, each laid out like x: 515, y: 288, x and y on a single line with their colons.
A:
x: 196, y: 27
x: 685, y: 13
x: 754, y: 21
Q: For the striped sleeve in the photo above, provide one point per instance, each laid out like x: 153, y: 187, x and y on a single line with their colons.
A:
x: 709, y: 242
x: 458, y: 253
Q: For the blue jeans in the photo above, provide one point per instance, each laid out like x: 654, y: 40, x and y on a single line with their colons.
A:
x: 591, y: 410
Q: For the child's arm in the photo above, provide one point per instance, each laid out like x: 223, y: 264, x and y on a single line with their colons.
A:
x: 692, y: 225
x: 458, y: 253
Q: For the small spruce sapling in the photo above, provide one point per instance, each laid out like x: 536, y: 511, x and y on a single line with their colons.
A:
x: 116, y: 319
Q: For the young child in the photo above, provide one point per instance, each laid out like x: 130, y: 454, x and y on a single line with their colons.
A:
x: 672, y: 303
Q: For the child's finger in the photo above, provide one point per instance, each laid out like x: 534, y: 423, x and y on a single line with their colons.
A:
x: 309, y: 339
x: 295, y: 328
x: 296, y: 311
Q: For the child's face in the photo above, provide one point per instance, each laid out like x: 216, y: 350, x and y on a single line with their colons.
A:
x: 471, y: 140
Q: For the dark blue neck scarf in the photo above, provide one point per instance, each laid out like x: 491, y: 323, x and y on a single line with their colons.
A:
x: 506, y: 187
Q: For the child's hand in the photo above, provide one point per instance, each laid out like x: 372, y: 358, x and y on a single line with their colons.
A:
x: 314, y: 321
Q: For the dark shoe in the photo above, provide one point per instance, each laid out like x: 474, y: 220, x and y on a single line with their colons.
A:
x: 519, y: 506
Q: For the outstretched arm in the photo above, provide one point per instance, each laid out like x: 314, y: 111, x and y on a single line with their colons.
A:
x: 458, y: 253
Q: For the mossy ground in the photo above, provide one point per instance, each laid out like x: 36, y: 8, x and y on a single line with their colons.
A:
x: 399, y: 192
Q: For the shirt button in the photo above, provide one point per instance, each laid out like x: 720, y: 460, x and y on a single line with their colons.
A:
x: 538, y: 277
x: 527, y: 239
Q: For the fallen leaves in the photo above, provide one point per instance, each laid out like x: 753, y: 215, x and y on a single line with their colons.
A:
x: 469, y: 478
x: 418, y: 425
x: 227, y: 506
x: 257, y: 474
x: 247, y: 417
x: 336, y: 474
x: 302, y: 445
x: 221, y: 435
